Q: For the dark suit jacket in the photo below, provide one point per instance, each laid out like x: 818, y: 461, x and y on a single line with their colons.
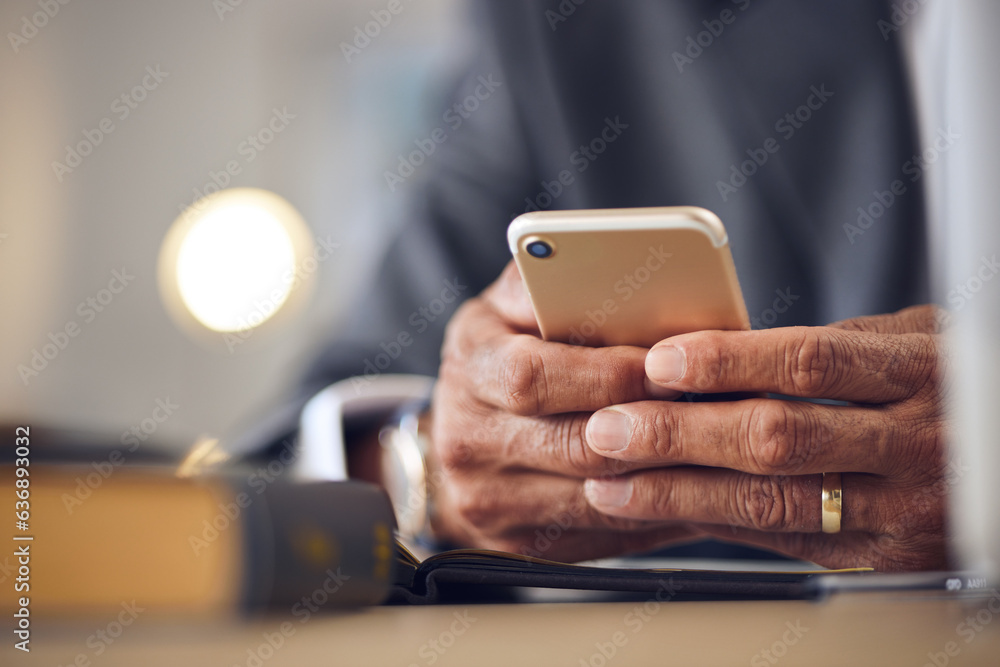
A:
x: 792, y: 120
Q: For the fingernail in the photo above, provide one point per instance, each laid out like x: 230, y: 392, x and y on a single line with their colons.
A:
x: 608, y: 493
x: 665, y: 364
x: 609, y: 430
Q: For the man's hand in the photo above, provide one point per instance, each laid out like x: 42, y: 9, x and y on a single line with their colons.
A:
x: 750, y: 470
x: 508, y: 459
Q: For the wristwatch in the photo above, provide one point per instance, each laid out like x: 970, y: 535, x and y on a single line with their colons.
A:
x: 404, y: 470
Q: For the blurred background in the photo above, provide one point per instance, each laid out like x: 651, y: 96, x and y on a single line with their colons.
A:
x: 116, y: 116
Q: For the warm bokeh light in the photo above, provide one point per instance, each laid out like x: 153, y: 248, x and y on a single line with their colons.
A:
x: 231, y: 258
x: 231, y: 264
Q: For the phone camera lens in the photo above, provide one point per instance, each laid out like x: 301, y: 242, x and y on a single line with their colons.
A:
x: 539, y: 249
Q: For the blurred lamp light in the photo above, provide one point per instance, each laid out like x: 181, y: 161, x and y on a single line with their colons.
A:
x: 229, y: 261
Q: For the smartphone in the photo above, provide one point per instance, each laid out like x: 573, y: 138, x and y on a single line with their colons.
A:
x: 627, y: 276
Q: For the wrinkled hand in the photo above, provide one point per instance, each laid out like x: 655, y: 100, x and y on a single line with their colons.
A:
x: 508, y: 459
x: 750, y: 470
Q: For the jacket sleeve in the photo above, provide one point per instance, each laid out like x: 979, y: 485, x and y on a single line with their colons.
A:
x: 451, y: 240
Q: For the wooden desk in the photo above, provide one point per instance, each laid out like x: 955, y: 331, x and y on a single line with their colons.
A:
x: 849, y: 629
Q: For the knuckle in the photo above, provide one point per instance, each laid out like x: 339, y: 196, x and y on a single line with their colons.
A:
x: 714, y: 365
x: 614, y: 378
x: 522, y: 378
x: 763, y: 503
x: 771, y: 434
x: 661, y: 428
x: 815, y: 362
x: 454, y: 454
x: 908, y: 364
x: 577, y: 457
x: 661, y: 499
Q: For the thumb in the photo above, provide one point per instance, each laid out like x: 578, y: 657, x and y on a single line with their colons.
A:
x: 509, y: 298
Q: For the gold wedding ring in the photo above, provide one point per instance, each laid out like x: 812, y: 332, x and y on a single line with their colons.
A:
x: 833, y: 496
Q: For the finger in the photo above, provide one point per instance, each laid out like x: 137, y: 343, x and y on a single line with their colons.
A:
x: 927, y: 318
x: 506, y: 504
x: 759, y: 436
x: 554, y: 444
x: 757, y: 502
x: 528, y: 376
x: 812, y: 362
x: 478, y: 436
x: 509, y: 298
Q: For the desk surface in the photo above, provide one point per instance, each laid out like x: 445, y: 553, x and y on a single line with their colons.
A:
x: 848, y: 629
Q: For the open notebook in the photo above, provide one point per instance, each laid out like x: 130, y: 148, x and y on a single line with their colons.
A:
x: 460, y: 572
